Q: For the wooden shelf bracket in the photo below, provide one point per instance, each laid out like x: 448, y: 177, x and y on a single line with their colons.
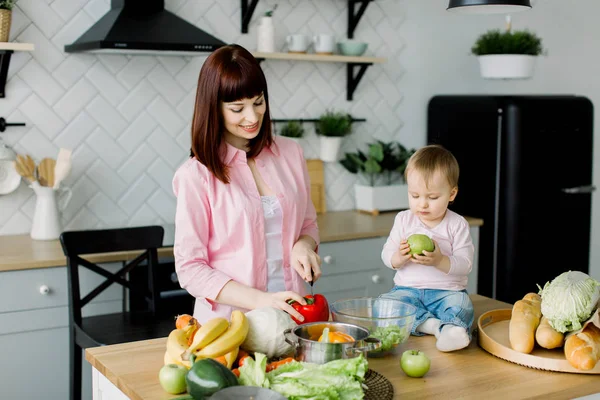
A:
x: 352, y: 80
x: 247, y: 11
x: 353, y: 17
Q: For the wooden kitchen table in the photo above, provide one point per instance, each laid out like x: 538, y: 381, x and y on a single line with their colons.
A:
x: 130, y: 370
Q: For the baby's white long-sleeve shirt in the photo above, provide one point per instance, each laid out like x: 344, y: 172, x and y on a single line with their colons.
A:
x: 452, y: 235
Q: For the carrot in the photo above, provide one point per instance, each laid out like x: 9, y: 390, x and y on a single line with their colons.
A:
x: 236, y: 372
x: 221, y: 359
x: 181, y: 321
x: 241, y: 357
x: 277, y: 364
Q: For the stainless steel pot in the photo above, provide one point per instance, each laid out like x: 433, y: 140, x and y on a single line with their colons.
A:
x: 304, y: 338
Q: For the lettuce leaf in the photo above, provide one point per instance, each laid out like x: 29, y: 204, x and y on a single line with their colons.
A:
x: 252, y: 373
x: 339, y: 379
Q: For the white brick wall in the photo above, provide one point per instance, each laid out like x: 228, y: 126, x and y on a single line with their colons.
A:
x: 128, y: 117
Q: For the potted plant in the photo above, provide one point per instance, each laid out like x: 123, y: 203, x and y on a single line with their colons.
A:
x: 383, y: 166
x: 292, y: 130
x: 331, y: 127
x: 6, y: 7
x: 507, y: 55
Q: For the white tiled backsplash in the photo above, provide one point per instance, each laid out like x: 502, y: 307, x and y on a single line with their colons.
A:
x: 127, y: 118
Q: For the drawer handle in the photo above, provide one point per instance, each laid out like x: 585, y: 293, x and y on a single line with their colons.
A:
x: 376, y: 279
x: 44, y: 290
x: 174, y: 278
x: 328, y: 259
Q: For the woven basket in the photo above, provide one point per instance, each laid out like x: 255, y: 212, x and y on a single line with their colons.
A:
x: 5, y: 20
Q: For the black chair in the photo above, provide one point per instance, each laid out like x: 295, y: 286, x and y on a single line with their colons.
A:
x: 126, y: 326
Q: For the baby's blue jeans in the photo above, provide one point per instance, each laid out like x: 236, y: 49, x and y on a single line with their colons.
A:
x: 452, y: 307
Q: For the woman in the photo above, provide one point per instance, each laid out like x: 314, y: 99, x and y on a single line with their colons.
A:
x: 246, y: 232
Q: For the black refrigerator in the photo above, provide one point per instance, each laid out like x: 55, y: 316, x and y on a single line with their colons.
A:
x: 526, y: 170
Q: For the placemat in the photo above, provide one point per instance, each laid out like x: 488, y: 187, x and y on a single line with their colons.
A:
x: 378, y: 386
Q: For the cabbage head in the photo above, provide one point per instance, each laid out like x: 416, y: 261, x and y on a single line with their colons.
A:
x: 569, y: 300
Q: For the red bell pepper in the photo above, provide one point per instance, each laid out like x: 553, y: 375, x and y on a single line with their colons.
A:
x: 316, y: 309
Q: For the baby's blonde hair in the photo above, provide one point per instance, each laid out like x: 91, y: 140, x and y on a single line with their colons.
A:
x: 429, y: 159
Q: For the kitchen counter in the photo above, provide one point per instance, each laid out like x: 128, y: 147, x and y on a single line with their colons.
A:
x: 18, y: 252
x: 469, y: 373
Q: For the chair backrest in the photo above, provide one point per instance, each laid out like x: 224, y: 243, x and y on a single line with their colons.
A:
x: 76, y: 244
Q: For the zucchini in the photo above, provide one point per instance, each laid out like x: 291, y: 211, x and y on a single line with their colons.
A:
x: 207, y: 377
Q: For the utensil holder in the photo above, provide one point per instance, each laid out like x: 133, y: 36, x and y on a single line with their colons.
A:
x: 48, y: 207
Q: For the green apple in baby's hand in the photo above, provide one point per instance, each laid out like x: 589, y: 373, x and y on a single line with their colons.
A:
x: 419, y: 242
x: 415, y: 363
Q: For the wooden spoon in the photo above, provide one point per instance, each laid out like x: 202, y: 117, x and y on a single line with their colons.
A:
x: 25, y: 166
x: 45, y: 170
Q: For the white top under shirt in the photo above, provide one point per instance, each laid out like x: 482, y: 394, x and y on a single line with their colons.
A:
x: 273, y: 226
x: 452, y: 234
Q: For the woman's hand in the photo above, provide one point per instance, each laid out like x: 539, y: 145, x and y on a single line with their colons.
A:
x: 279, y: 300
x: 305, y: 260
x: 402, y: 255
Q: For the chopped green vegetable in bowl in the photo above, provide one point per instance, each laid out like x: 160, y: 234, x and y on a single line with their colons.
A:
x: 391, y: 336
x: 387, y: 319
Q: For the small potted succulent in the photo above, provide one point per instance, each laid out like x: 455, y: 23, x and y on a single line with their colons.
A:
x: 507, y: 54
x: 6, y: 7
x: 332, y: 127
x: 292, y: 130
x: 383, y: 167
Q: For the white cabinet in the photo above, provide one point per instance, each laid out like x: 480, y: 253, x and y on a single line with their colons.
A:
x: 34, y: 334
x: 353, y: 268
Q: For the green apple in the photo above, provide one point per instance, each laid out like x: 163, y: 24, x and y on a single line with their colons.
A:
x: 172, y: 378
x: 415, y: 363
x: 419, y: 242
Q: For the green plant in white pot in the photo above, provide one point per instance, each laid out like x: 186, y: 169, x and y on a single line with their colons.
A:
x: 507, y: 55
x: 383, y: 167
x: 332, y: 127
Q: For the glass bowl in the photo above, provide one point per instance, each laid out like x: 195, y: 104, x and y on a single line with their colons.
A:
x: 387, y: 319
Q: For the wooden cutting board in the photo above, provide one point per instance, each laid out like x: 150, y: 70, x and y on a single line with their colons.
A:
x: 317, y: 184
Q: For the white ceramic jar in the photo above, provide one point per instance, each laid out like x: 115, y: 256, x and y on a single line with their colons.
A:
x: 265, y: 42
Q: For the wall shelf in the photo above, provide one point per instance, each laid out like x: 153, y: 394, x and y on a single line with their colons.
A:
x: 6, y: 50
x: 302, y: 120
x: 354, y: 15
x: 352, y: 80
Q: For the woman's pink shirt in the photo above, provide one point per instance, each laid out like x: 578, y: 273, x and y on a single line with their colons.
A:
x: 219, y: 228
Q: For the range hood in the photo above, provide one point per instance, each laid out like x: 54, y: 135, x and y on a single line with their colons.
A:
x: 143, y: 27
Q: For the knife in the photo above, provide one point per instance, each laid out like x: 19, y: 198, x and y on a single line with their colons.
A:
x: 312, y: 281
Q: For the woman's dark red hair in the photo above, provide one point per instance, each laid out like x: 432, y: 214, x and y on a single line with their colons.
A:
x: 229, y: 73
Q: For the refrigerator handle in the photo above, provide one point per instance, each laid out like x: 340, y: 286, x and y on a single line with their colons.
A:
x: 579, y: 189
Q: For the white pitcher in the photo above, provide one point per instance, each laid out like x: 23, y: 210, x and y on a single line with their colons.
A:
x: 46, y: 218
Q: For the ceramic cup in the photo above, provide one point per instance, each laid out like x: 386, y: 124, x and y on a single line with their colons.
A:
x: 297, y: 43
x: 324, y: 43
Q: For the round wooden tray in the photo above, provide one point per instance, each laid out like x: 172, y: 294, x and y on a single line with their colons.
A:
x: 492, y: 329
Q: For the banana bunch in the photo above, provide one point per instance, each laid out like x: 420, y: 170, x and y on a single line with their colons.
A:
x: 217, y: 338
